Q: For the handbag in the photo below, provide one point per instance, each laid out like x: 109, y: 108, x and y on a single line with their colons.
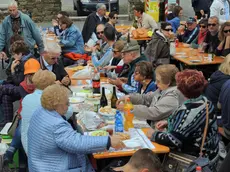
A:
x: 178, y: 161
x: 14, y: 124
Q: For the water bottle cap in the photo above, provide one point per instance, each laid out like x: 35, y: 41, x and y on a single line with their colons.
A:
x: 198, y: 168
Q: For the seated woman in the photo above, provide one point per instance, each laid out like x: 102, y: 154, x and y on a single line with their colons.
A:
x: 113, y: 16
x: 158, y: 49
x: 161, y: 103
x: 186, y: 124
x: 174, y: 17
x: 116, y: 62
x: 53, y: 145
x: 217, y: 79
x: 202, y: 34
x: 224, y: 35
x: 71, y: 42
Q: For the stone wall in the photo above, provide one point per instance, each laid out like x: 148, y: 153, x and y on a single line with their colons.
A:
x: 41, y: 10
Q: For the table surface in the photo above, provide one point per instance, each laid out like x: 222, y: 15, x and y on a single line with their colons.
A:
x: 193, y: 54
x: 159, y: 149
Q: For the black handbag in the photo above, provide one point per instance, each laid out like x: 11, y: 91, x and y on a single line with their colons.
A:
x: 181, y: 162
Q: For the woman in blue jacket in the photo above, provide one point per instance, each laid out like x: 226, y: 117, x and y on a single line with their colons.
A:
x: 174, y: 17
x: 71, y: 40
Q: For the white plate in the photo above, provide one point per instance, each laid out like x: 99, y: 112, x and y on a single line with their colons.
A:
x: 76, y: 100
x: 112, y: 114
x: 130, y: 144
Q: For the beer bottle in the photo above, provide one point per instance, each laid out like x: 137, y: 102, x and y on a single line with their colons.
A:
x: 103, y: 101
x: 114, y: 98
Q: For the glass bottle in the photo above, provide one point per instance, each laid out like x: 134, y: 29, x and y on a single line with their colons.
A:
x: 114, y: 98
x: 96, y: 82
x: 103, y: 101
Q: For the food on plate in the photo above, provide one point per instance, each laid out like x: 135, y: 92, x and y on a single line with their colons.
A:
x: 107, y: 110
x: 124, y: 136
x: 99, y: 133
x: 77, y: 68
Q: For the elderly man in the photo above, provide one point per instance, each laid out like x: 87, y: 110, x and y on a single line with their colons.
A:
x: 220, y: 9
x: 93, y: 20
x: 188, y: 35
x: 131, y: 56
x: 212, y: 41
x: 18, y: 23
x: 144, y: 20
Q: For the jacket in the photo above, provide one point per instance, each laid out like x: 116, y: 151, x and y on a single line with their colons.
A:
x: 58, y: 69
x: 54, y: 146
x: 220, y: 9
x: 212, y: 43
x: 147, y: 22
x: 18, y: 76
x: 175, y: 22
x: 223, y: 52
x: 71, y: 41
x: 151, y: 87
x: 158, y: 49
x: 90, y: 26
x: 158, y: 105
x: 189, y: 36
x: 30, y: 33
x: 186, y: 128
x: 118, y: 34
x: 202, y: 5
x: 212, y: 91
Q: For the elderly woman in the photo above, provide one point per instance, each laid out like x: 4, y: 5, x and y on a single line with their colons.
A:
x: 224, y: 35
x: 31, y: 102
x: 53, y: 145
x: 71, y: 41
x: 186, y: 125
x: 160, y: 104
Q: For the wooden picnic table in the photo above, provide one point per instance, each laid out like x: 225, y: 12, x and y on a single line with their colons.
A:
x: 193, y: 54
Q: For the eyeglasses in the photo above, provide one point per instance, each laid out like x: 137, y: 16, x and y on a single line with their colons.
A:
x: 203, y: 26
x: 115, y: 17
x: 226, y: 31
x: 102, y: 32
x: 212, y: 24
x: 168, y: 30
x: 115, y: 51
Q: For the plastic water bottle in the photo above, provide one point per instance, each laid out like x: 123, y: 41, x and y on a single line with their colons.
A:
x: 119, y: 122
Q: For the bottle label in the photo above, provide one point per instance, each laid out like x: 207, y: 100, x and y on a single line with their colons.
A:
x: 96, y: 84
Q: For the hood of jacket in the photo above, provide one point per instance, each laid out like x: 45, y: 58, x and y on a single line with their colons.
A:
x: 159, y: 35
x: 218, y: 77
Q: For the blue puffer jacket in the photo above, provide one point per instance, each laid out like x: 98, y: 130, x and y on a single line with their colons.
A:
x: 72, y: 41
x: 30, y: 33
x: 175, y: 22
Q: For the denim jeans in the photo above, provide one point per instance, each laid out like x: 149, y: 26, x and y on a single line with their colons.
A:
x: 16, y: 141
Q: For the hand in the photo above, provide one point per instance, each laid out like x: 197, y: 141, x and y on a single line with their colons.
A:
x: 120, y: 106
x: 123, y: 79
x: 116, y: 142
x: 65, y: 81
x: 228, y: 38
x: 118, y: 82
x: 121, y: 101
x: 3, y: 56
x: 150, y: 133
x: 112, y: 81
x: 54, y: 22
x: 58, y: 82
x: 14, y: 64
x: 161, y: 125
x: 94, y: 49
x: 181, y: 30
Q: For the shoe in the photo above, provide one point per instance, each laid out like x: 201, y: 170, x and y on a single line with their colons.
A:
x: 8, y: 158
x: 222, y: 150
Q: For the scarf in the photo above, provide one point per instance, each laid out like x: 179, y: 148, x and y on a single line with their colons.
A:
x: 201, y: 37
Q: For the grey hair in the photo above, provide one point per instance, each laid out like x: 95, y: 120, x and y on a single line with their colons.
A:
x: 13, y: 3
x: 100, y: 6
x: 215, y: 17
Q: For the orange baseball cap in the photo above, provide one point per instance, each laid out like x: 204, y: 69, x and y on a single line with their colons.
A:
x: 31, y: 66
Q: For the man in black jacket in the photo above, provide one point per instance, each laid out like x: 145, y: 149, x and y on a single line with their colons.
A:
x: 199, y: 5
x: 93, y: 20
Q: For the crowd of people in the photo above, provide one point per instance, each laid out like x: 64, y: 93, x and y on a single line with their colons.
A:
x: 173, y: 101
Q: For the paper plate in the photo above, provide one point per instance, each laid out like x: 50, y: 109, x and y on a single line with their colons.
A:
x: 109, y: 112
x: 76, y: 100
x: 130, y: 144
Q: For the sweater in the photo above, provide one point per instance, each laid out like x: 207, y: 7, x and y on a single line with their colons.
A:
x: 186, y: 128
x: 212, y: 42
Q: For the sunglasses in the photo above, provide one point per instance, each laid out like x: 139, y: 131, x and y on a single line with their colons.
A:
x: 203, y: 26
x: 102, y: 32
x: 226, y: 31
x: 212, y: 24
x: 115, y: 17
x: 168, y: 30
x: 115, y: 51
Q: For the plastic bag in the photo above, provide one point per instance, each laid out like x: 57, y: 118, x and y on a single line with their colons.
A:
x: 83, y: 74
x: 3, y: 148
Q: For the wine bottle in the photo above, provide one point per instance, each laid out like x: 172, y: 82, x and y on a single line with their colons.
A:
x: 114, y: 98
x: 103, y: 101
